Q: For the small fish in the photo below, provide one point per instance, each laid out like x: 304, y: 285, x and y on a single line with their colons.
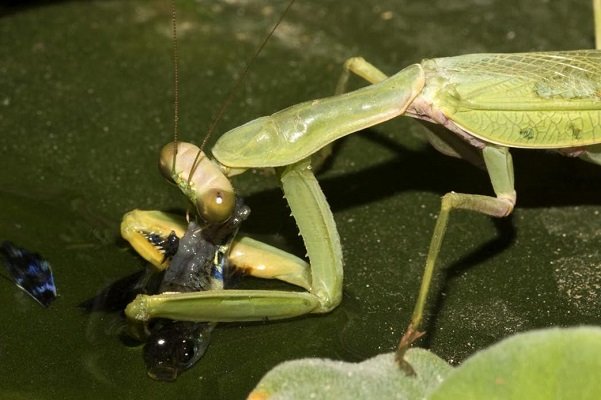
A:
x: 30, y: 272
x: 199, y: 264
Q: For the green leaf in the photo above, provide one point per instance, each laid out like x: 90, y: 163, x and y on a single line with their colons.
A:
x: 376, y: 378
x: 546, y: 364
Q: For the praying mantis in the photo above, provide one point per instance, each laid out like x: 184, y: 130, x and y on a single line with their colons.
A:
x: 492, y: 102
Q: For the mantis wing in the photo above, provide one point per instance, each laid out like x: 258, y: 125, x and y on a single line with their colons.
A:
x: 529, y: 100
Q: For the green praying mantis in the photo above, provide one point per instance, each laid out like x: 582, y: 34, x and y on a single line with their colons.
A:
x: 491, y: 102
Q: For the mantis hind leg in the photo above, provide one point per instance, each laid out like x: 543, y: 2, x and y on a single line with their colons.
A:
x: 500, y: 169
x: 592, y: 154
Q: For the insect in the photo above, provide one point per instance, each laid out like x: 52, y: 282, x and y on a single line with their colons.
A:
x: 490, y: 102
x: 30, y: 272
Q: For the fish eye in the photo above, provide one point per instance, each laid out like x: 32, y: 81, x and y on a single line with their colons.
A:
x: 216, y: 205
x: 187, y: 351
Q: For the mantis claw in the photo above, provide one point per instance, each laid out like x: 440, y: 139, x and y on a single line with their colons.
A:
x: 410, y: 336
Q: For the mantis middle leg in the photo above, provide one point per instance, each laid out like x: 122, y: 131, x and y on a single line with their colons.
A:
x: 360, y: 67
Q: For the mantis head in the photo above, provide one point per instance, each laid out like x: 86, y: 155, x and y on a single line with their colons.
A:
x: 200, y: 179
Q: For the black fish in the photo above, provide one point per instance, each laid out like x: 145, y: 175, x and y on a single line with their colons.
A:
x: 199, y: 264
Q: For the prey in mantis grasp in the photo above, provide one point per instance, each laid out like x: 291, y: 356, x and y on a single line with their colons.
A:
x: 199, y: 264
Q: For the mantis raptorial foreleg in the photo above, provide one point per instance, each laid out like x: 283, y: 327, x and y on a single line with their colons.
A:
x: 145, y: 230
x: 316, y: 225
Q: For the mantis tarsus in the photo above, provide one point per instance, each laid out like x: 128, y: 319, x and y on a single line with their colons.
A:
x: 493, y: 102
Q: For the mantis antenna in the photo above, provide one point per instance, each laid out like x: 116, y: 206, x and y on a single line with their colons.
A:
x: 175, y: 82
x: 597, y: 15
x: 231, y: 93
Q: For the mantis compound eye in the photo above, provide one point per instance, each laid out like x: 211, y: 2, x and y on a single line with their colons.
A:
x: 216, y: 205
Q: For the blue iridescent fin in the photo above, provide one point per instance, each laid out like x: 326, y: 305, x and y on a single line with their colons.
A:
x: 30, y: 272
x: 219, y: 265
